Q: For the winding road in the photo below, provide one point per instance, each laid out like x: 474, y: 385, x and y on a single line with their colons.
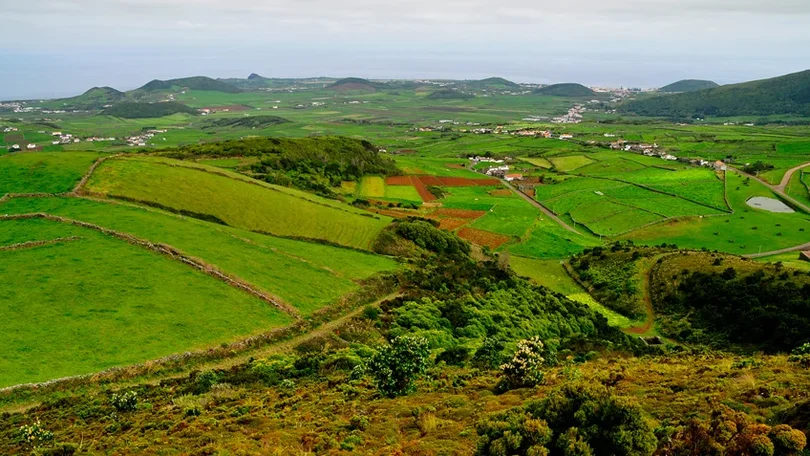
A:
x: 789, y: 174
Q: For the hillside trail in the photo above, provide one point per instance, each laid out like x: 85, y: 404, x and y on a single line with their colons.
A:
x: 775, y: 188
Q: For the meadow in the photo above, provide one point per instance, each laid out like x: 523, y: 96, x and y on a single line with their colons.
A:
x: 237, y: 201
x: 82, y: 306
x: 43, y: 172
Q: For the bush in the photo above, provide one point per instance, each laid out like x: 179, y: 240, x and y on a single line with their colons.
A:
x: 125, y: 402
x: 454, y: 356
x: 204, y: 381
x: 34, y: 435
x: 489, y: 355
x: 801, y: 355
x: 396, y: 366
x: 524, y: 368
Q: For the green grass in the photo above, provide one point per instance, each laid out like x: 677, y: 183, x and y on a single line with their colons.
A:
x: 43, y: 172
x: 550, y: 274
x: 539, y: 162
x: 84, y: 306
x: 371, y: 187
x: 790, y: 259
x: 402, y: 193
x: 237, y: 201
x: 283, y: 267
x: 748, y: 230
x: 570, y: 163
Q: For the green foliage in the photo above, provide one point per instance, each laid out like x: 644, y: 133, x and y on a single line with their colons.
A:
x: 124, y: 402
x: 428, y: 237
x: 757, y: 167
x: 34, y: 435
x: 801, y: 355
x: 204, y: 381
x: 136, y: 110
x: 489, y: 355
x: 262, y: 121
x: 575, y: 419
x: 396, y: 366
x: 454, y: 356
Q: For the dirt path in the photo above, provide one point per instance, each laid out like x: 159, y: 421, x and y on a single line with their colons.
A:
x: 542, y: 208
x: 775, y: 188
x: 788, y: 175
x: 777, y: 252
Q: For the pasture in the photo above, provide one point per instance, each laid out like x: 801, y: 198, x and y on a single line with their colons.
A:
x: 86, y: 305
x: 43, y: 172
x: 237, y: 201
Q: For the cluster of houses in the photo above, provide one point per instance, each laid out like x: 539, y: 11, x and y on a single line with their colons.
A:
x: 141, y: 140
x: 574, y: 116
x: 17, y: 147
x: 10, y: 129
x: 500, y: 169
x: 66, y: 138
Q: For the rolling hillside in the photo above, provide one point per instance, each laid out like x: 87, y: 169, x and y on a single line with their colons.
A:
x: 688, y: 85
x: 191, y: 83
x: 238, y: 201
x: 566, y: 90
x: 358, y: 84
x: 449, y: 94
x: 493, y: 83
x: 95, y: 98
x: 135, y: 110
x: 788, y: 94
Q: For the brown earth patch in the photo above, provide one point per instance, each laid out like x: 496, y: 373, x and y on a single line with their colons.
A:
x: 422, y: 190
x: 484, y: 238
x: 500, y: 192
x: 431, y: 180
x: 398, y: 180
x: 460, y: 213
x: 451, y: 224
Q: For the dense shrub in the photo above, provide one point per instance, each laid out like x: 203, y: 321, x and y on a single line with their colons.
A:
x: 396, y: 366
x: 574, y: 419
x: 801, y: 355
x: 524, y: 369
x: 454, y: 356
x: 428, y: 237
x: 125, y: 402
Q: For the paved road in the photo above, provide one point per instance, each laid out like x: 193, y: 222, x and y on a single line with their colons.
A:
x: 777, y: 252
x: 548, y: 213
x: 786, y: 180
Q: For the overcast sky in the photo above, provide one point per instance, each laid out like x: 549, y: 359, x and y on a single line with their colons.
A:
x: 63, y: 47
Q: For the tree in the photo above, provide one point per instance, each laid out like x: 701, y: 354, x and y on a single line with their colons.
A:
x: 523, y: 370
x: 396, y: 366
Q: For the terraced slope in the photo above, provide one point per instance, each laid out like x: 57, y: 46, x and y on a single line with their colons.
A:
x: 236, y: 200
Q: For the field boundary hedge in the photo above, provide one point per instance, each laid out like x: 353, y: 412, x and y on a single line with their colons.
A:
x: 32, y: 244
x: 172, y: 253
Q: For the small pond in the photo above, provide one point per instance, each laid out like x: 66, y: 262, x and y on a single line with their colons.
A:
x: 769, y: 204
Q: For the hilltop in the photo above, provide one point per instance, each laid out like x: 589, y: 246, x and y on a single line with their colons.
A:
x: 348, y: 84
x: 566, y: 90
x: 135, y: 110
x: 449, y: 94
x: 493, y: 83
x: 95, y: 98
x: 688, y: 85
x: 191, y: 83
x: 789, y: 94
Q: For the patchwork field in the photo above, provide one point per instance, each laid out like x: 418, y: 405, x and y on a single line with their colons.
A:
x: 77, y: 307
x: 237, y: 201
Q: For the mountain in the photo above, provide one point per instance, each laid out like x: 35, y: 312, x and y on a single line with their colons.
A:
x: 566, y: 90
x: 688, y: 85
x: 349, y: 84
x: 95, y: 98
x: 255, y: 76
x: 449, y: 94
x: 132, y: 110
x: 789, y: 94
x: 192, y: 83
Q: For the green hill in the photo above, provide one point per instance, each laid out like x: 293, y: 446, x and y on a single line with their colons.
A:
x: 492, y: 84
x: 449, y: 94
x: 572, y: 90
x: 191, y: 83
x: 688, y: 85
x: 262, y: 121
x: 95, y: 98
x: 214, y: 194
x: 136, y: 110
x: 356, y: 84
x: 788, y: 94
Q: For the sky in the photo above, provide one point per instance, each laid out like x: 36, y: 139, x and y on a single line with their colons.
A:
x: 54, y: 48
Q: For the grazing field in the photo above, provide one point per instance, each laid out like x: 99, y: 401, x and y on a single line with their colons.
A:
x: 282, y: 267
x: 237, y: 201
x: 371, y: 187
x: 83, y: 306
x: 539, y: 162
x: 570, y: 163
x: 748, y: 230
x: 43, y: 172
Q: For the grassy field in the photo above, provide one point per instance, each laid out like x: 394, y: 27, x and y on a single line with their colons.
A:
x: 570, y: 163
x: 283, y: 267
x: 96, y: 303
x: 748, y: 230
x: 43, y: 172
x: 371, y: 187
x: 237, y: 201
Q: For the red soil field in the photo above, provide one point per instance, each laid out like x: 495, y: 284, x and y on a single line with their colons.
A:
x: 398, y: 180
x: 460, y: 213
x: 501, y: 192
x: 422, y: 190
x: 451, y: 224
x: 485, y: 238
x: 486, y: 182
x: 430, y: 180
x: 530, y: 192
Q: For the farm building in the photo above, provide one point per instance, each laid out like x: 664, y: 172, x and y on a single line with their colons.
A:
x: 513, y: 177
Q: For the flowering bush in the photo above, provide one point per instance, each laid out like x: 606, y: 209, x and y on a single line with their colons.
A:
x: 35, y: 435
x: 801, y: 355
x: 125, y: 402
x: 524, y: 368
